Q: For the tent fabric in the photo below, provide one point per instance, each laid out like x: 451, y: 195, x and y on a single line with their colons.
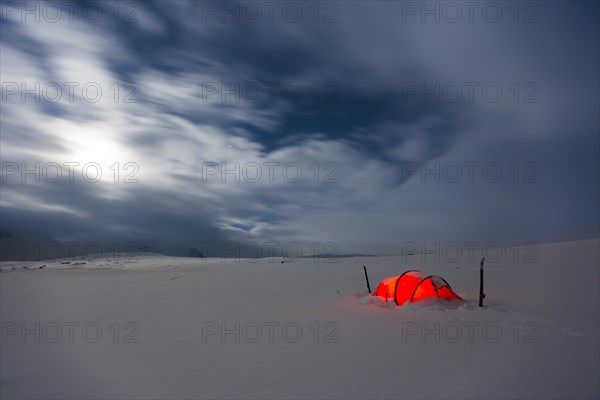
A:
x: 413, y: 286
x: 387, y: 288
x: 406, y: 286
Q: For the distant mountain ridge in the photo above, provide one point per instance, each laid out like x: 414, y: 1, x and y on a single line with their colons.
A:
x: 21, y: 246
x: 28, y: 246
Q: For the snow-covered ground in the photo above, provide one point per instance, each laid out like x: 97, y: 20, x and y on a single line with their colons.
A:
x: 191, y: 328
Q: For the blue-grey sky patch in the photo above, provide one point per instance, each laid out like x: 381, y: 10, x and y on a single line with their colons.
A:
x: 352, y: 135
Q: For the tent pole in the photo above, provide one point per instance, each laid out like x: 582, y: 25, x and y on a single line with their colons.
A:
x: 481, y: 294
x: 367, y: 278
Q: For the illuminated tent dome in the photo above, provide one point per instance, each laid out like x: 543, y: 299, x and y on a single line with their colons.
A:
x: 413, y: 286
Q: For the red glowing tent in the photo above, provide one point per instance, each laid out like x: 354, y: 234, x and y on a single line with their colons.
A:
x: 413, y: 286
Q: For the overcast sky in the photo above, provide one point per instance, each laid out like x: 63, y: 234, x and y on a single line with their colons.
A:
x: 329, y: 111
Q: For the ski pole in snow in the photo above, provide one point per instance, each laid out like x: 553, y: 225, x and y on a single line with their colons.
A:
x: 367, y: 278
x: 481, y: 294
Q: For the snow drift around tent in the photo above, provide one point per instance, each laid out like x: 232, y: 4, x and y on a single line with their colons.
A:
x: 413, y: 286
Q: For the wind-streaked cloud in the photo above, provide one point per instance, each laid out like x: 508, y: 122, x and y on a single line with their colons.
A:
x: 365, y: 119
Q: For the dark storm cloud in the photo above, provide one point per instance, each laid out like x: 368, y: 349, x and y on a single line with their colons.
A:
x: 363, y: 120
x: 306, y: 55
x: 95, y: 217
